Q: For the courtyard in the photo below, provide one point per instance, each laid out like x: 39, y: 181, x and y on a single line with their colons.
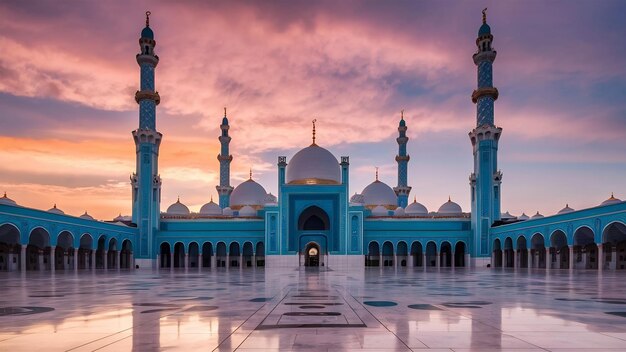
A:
x: 389, y: 309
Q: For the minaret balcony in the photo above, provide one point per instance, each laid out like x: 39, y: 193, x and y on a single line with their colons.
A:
x: 485, y: 132
x: 481, y: 56
x: 402, y: 158
x: 224, y: 158
x: 147, y: 95
x: 147, y: 59
x: 485, y: 91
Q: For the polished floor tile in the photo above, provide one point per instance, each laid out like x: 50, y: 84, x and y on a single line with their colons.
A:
x: 308, y: 310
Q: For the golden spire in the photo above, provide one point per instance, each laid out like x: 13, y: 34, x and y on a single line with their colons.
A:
x: 148, y: 13
x: 414, y: 199
x: 211, y: 198
x: 224, y: 111
x: 314, y: 121
x: 449, y: 199
x: 402, y: 114
x: 376, y: 173
x: 5, y: 194
x: 178, y: 200
x: 251, y: 173
x: 485, y: 16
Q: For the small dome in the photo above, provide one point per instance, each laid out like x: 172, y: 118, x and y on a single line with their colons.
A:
x: 398, y: 212
x: 380, y: 211
x: 86, y: 216
x: 415, y: 208
x: 271, y: 199
x: 178, y: 208
x: 523, y: 217
x: 55, y: 210
x: 211, y: 208
x: 566, y: 210
x: 313, y: 165
x: 537, y: 216
x: 147, y: 33
x: 357, y: 199
x: 611, y: 200
x: 247, y: 211
x: 484, y: 30
x: 227, y: 211
x: 248, y: 193
x: 379, y: 193
x: 506, y: 216
x: 450, y: 208
x: 7, y: 201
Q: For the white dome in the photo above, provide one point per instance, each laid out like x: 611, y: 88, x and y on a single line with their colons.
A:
x: 450, y: 208
x: 271, y: 199
x: 566, y: 210
x: 537, y: 216
x: 178, y: 208
x: 247, y: 211
x: 398, y: 212
x: 55, y: 210
x: 415, y: 208
x: 523, y: 217
x: 380, y: 211
x: 313, y: 165
x: 248, y: 193
x: 227, y: 211
x: 378, y: 193
x: 611, y: 200
x: 86, y: 216
x: 357, y: 199
x: 506, y: 216
x: 7, y: 201
x: 211, y: 208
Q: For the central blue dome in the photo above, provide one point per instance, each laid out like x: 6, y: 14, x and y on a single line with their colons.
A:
x: 147, y: 33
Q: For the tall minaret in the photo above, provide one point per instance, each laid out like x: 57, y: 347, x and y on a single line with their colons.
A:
x: 224, y: 189
x: 146, y: 182
x: 485, y: 180
x: 402, y: 190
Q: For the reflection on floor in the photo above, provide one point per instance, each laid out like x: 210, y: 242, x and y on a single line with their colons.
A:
x: 283, y: 310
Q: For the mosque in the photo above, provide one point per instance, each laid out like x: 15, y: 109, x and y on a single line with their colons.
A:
x: 313, y: 220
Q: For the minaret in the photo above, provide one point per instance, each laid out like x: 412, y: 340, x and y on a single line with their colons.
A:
x: 485, y: 180
x: 224, y: 189
x: 146, y: 182
x: 402, y: 190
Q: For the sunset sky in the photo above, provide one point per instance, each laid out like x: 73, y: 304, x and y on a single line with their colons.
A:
x: 68, y: 76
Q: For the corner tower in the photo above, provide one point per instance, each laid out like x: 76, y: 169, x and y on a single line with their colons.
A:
x: 224, y: 189
x: 146, y: 182
x: 485, y: 180
x: 402, y: 190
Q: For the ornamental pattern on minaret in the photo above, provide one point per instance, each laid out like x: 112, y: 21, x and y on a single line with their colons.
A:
x: 402, y: 190
x: 224, y: 189
x: 485, y: 94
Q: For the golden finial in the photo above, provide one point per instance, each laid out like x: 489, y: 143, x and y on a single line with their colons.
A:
x: 449, y: 200
x: 211, y: 198
x: 148, y: 13
x: 485, y: 16
x: 55, y: 205
x: 402, y: 114
x: 414, y: 199
x: 251, y: 173
x: 314, y: 121
x: 178, y: 199
x: 224, y: 111
x: 5, y: 194
x: 376, y: 173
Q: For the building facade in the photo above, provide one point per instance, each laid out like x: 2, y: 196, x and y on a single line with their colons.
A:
x: 313, y: 220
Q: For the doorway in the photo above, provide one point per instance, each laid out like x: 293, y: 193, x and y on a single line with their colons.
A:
x: 312, y: 255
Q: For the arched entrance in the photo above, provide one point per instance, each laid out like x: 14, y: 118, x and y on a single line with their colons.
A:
x: 312, y: 254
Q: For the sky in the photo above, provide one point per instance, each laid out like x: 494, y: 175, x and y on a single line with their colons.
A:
x: 68, y: 76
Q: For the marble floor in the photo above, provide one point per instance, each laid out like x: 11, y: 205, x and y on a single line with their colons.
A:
x: 283, y: 310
